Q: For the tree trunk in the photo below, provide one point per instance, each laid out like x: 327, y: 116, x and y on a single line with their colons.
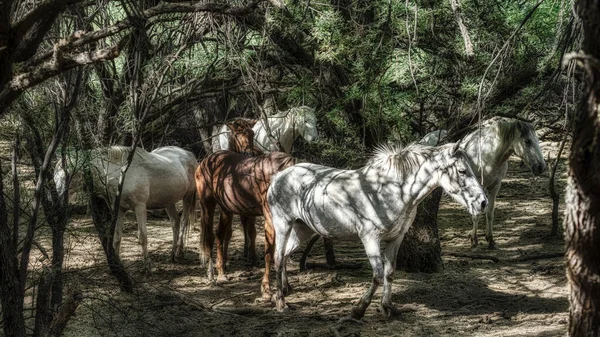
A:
x: 582, y: 214
x: 11, y: 296
x: 420, y: 250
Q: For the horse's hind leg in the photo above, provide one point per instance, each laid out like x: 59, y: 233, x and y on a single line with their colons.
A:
x: 489, y: 216
x: 118, y: 231
x: 174, y: 217
x: 329, y: 253
x: 249, y: 224
x: 223, y: 237
x: 207, y: 237
x: 140, y: 214
x: 284, y: 229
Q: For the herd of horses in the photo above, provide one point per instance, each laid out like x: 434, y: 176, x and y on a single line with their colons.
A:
x: 248, y: 174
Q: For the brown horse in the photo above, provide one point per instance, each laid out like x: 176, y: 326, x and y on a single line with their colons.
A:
x: 238, y: 184
x: 241, y: 139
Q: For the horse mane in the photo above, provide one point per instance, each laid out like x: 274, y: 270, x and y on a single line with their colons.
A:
x: 399, y: 160
x: 508, y: 130
x: 119, y: 154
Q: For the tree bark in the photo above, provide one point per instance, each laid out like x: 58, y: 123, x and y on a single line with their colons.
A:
x: 421, y: 250
x: 582, y: 214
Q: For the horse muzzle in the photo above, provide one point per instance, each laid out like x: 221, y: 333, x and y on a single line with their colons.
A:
x: 539, y: 168
x: 479, y: 206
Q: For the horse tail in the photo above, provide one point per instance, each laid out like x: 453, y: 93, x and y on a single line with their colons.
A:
x: 191, y: 211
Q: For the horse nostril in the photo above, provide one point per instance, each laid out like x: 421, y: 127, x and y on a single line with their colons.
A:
x: 483, y: 204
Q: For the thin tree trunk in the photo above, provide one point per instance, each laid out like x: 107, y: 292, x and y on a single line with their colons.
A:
x: 582, y: 214
x: 553, y: 194
x: 11, y: 295
x: 421, y: 250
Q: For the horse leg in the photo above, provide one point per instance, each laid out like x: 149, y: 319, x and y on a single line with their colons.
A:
x: 140, y: 214
x: 223, y: 231
x: 269, y: 254
x: 118, y: 231
x: 329, y: 253
x: 284, y: 229
x: 207, y: 238
x: 300, y: 233
x: 249, y: 224
x: 174, y: 217
x: 373, y: 250
x: 307, y: 250
x: 473, y: 235
x: 389, y: 267
x: 489, y: 216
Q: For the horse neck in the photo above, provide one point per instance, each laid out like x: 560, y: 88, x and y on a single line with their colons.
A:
x: 284, y: 128
x: 496, y: 151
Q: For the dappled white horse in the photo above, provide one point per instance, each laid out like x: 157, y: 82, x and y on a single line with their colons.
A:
x: 489, y: 149
x: 154, y: 180
x: 375, y: 203
x: 285, y: 127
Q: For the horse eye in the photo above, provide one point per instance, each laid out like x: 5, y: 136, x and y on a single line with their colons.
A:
x: 528, y: 141
x: 462, y: 172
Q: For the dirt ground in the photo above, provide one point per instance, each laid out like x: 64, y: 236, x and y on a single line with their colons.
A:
x: 519, y: 295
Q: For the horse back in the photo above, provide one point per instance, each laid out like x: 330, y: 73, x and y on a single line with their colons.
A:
x: 239, y: 183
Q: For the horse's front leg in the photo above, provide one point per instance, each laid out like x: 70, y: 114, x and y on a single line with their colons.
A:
x: 118, y: 234
x: 223, y: 237
x: 390, y: 255
x: 249, y: 224
x: 489, y: 216
x: 373, y: 250
x: 473, y: 235
x: 140, y: 215
x: 174, y: 218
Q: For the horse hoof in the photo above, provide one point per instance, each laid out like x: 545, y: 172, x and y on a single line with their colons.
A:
x: 388, y: 311
x: 474, y: 242
x: 222, y: 279
x: 492, y: 245
x: 267, y: 298
x: 282, y: 307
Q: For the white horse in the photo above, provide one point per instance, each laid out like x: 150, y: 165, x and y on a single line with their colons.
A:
x: 154, y: 180
x: 375, y: 203
x: 284, y: 126
x: 488, y: 150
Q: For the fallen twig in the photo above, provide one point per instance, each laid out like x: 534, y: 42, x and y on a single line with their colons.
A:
x: 472, y: 256
x: 535, y: 257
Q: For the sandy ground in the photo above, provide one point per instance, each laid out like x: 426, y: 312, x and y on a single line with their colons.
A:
x: 519, y: 295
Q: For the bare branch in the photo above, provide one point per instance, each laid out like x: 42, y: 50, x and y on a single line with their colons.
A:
x: 463, y: 29
x: 163, y: 8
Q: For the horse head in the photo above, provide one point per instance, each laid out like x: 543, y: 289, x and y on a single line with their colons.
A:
x: 242, y: 135
x: 527, y: 147
x: 459, y: 181
x: 305, y: 123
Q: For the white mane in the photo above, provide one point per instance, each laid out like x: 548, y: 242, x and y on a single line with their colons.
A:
x: 398, y: 160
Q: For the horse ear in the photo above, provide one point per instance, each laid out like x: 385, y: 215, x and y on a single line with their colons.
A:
x: 534, y: 123
x: 456, y: 147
